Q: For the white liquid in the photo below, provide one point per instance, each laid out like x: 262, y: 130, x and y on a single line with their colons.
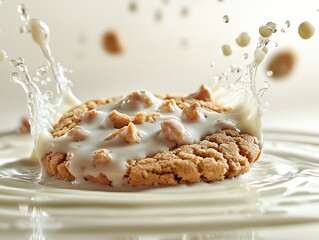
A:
x: 3, y: 55
x: 281, y: 190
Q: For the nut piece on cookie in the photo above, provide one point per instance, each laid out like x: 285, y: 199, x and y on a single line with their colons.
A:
x: 89, y: 115
x: 128, y: 134
x: 137, y: 100
x: 102, y: 156
x: 78, y: 134
x: 119, y: 119
x: 142, y: 117
x: 167, y: 105
x: 192, y: 112
x: 203, y: 93
x: 173, y: 130
x: 91, y: 105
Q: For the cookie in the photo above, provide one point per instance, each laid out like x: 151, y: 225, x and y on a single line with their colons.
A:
x: 226, y: 153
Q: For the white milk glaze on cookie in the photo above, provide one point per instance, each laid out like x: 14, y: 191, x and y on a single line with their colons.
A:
x: 170, y: 127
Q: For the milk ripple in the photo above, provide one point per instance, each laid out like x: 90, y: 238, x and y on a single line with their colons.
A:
x: 281, y: 189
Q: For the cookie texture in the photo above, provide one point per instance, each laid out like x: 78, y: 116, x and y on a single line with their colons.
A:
x: 225, y: 154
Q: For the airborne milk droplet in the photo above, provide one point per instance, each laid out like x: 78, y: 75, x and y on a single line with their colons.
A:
x: 259, y: 56
x: 3, y: 55
x: 40, y: 32
x: 243, y: 39
x: 265, y: 31
x: 226, y: 50
x: 15, y: 77
x: 306, y: 30
x: 272, y: 26
x: 225, y: 19
x: 288, y: 23
x: 269, y: 73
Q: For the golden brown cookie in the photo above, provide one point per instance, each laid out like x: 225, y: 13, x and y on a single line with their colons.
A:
x: 225, y: 154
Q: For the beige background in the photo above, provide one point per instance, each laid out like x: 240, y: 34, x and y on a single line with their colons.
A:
x: 155, y: 59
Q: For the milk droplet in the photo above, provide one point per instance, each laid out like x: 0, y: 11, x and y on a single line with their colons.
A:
x: 184, y: 42
x: 288, y: 23
x: 22, y: 10
x: 265, y: 50
x: 212, y: 64
x: 259, y: 56
x: 36, y: 79
x: 14, y: 63
x: 40, y: 31
x: 269, y: 73
x: 3, y: 55
x: 22, y: 29
x: 235, y: 68
x: 263, y: 108
x: 243, y: 39
x: 276, y: 44
x: 184, y: 12
x: 43, y: 82
x: 42, y: 70
x: 226, y: 50
x: 272, y: 26
x: 283, y: 30
x: 20, y: 60
x: 158, y: 15
x: 225, y: 19
x: 245, y: 55
x: 306, y: 30
x: 265, y: 31
x: 15, y: 77
x: 49, y: 95
x: 22, y: 67
x: 132, y: 7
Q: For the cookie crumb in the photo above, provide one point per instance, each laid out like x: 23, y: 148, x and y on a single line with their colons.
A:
x: 112, y: 43
x: 282, y: 64
x: 174, y: 131
x: 137, y: 98
x: 102, y: 156
x: 192, y: 112
x: 25, y: 127
x: 89, y: 115
x: 203, y: 93
x: 119, y: 119
x: 128, y: 134
x: 78, y: 134
x: 167, y: 105
x: 142, y: 117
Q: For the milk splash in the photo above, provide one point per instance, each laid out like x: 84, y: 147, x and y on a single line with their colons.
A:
x: 45, y: 109
x: 241, y: 95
